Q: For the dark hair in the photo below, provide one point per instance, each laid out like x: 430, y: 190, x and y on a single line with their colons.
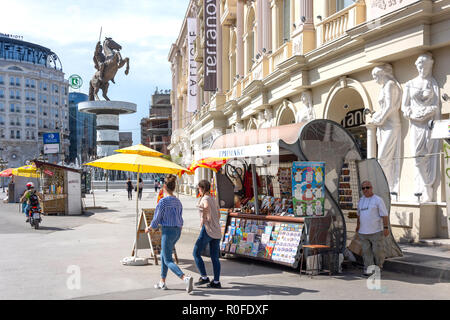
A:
x: 170, y: 182
x: 205, y: 185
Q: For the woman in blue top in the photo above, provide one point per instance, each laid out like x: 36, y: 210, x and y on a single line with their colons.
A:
x: 168, y: 214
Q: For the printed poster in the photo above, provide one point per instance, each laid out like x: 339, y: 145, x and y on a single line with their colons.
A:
x: 308, y: 190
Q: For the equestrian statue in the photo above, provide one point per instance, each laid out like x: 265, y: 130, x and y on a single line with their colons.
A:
x: 107, y: 60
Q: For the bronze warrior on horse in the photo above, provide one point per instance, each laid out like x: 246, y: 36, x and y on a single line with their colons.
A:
x: 107, y: 60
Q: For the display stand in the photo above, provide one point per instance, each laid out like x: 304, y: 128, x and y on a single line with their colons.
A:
x: 150, y: 240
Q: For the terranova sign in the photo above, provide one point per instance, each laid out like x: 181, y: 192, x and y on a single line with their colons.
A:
x: 256, y: 150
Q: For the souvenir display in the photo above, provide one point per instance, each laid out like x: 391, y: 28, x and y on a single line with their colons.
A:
x: 274, y: 241
x: 308, y: 188
x: 348, y: 188
x: 284, y: 180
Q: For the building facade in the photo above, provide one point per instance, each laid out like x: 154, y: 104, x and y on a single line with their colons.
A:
x: 157, y: 128
x: 364, y: 64
x: 82, y: 130
x: 125, y: 139
x: 33, y: 100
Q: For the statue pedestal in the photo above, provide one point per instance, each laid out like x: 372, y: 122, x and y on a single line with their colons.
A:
x: 107, y: 122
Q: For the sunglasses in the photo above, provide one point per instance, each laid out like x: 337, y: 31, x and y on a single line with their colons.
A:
x: 366, y: 188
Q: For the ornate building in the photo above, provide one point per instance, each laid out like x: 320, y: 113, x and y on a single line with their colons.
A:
x: 281, y: 61
x: 33, y: 100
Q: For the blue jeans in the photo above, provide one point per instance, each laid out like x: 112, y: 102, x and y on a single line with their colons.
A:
x: 170, y: 236
x: 214, y: 251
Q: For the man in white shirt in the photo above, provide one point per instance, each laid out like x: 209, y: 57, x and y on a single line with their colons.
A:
x: 372, y: 226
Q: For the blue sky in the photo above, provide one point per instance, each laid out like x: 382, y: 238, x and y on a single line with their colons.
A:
x: 145, y: 29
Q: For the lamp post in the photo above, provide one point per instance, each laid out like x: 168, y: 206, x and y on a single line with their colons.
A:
x: 3, y: 165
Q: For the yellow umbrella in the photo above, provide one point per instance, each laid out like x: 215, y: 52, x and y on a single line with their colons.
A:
x: 140, y: 149
x: 28, y: 171
x: 138, y: 163
x: 130, y: 160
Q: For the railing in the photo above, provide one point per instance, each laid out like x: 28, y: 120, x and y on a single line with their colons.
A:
x: 283, y: 53
x: 337, y: 24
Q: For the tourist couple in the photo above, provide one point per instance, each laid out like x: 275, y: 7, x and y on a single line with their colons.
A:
x: 168, y: 214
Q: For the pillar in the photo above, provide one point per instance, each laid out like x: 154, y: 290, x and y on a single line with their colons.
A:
x: 239, y: 34
x: 371, y: 141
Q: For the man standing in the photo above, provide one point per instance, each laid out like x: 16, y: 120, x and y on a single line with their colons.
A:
x: 372, y: 226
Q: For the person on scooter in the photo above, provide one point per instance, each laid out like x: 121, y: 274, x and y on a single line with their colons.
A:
x: 32, y: 197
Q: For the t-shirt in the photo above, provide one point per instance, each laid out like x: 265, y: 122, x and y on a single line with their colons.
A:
x: 370, y: 212
x: 168, y: 213
x: 212, y: 224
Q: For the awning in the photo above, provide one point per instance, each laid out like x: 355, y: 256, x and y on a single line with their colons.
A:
x: 252, y: 143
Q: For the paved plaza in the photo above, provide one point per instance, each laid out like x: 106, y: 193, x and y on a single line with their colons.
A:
x: 79, y: 257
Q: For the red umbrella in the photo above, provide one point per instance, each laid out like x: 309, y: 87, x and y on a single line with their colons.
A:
x: 210, y: 163
x: 6, y: 173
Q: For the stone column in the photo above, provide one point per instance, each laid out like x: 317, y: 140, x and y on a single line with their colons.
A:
x: 267, y: 26
x: 259, y: 26
x: 371, y: 141
x: 306, y: 10
x: 239, y: 40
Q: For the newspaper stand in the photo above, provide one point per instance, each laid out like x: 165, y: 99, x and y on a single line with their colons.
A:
x: 319, y: 141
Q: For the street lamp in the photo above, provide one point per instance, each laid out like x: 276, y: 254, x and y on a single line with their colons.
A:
x: 3, y: 164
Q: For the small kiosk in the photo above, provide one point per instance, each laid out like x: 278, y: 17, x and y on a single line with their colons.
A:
x: 296, y: 204
x: 60, y: 187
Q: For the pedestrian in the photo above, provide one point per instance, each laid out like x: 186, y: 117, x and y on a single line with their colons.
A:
x: 372, y: 226
x: 210, y: 234
x: 168, y: 214
x: 130, y: 189
x: 140, y: 187
x: 156, y: 186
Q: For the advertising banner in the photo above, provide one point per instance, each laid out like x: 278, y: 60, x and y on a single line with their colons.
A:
x: 51, y: 148
x: 52, y: 137
x: 192, y: 83
x: 308, y: 190
x: 210, y: 56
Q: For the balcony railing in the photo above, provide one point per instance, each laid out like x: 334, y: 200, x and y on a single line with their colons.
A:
x: 283, y: 53
x: 337, y: 24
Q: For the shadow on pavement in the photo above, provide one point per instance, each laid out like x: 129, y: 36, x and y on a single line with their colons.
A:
x: 245, y: 289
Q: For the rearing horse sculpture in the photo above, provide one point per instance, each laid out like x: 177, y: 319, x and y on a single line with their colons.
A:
x: 107, y: 63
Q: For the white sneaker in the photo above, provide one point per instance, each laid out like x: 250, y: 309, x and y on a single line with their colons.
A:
x: 189, y: 284
x: 161, y: 285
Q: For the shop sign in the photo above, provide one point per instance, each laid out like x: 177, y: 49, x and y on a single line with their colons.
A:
x: 353, y: 118
x: 257, y: 150
x: 48, y: 172
x: 51, y: 148
x: 52, y: 137
x: 192, y: 81
x: 75, y: 81
x: 378, y: 8
x: 210, y: 56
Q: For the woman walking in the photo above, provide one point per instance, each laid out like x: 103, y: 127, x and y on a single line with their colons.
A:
x: 130, y: 189
x: 140, y: 187
x: 210, y: 233
x: 168, y: 214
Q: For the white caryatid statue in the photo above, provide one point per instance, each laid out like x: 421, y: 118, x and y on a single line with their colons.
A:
x: 306, y: 112
x: 388, y: 122
x: 421, y: 104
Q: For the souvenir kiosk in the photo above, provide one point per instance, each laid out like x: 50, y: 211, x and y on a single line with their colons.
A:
x: 296, y: 200
x: 61, y: 188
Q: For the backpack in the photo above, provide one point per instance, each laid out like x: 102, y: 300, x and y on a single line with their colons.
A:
x: 34, y: 200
